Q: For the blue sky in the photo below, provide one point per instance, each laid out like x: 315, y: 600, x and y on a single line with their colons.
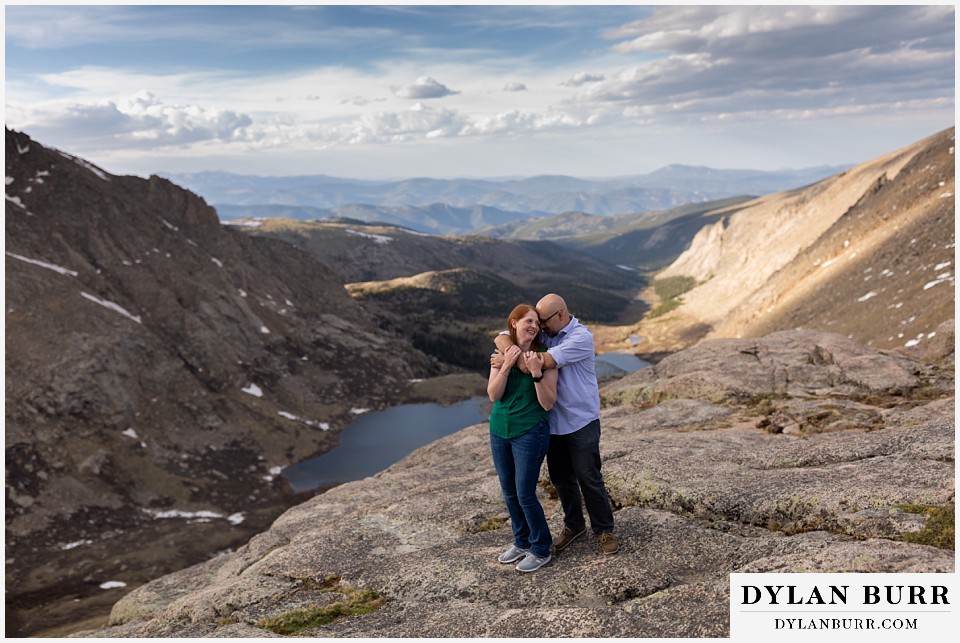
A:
x: 478, y: 90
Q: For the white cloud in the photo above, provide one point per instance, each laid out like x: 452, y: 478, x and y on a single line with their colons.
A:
x: 582, y: 78
x: 715, y: 63
x: 423, y: 87
x: 356, y: 101
x: 393, y: 127
x: 140, y: 120
x: 514, y: 87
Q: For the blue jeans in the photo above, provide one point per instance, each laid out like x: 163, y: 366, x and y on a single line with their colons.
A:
x: 574, y: 466
x: 518, y: 466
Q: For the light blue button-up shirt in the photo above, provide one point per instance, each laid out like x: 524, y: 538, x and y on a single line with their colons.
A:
x: 578, y: 395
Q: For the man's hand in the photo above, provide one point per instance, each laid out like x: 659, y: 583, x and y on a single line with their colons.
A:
x: 496, y: 359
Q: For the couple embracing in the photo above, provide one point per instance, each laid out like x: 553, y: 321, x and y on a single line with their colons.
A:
x: 547, y: 404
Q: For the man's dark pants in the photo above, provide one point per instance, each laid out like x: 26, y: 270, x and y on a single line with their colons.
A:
x: 574, y: 465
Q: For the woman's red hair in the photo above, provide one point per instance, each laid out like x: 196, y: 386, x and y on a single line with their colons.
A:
x: 516, y: 315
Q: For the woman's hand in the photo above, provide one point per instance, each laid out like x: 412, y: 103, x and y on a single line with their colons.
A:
x: 497, y: 384
x: 511, y: 356
x: 534, y: 362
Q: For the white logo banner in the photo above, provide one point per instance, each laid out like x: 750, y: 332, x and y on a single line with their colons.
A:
x: 843, y: 607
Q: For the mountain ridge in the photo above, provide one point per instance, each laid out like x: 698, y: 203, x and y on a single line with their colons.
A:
x: 550, y: 194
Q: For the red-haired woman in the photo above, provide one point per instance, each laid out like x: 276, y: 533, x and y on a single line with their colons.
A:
x: 520, y: 437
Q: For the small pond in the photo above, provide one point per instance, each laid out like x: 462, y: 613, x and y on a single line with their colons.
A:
x: 375, y: 440
x: 618, y: 364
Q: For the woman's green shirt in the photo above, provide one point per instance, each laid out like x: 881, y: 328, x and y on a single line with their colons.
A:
x: 518, y: 410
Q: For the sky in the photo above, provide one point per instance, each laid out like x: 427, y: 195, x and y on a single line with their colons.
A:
x: 392, y: 92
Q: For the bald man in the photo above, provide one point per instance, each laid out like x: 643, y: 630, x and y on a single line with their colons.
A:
x: 573, y: 459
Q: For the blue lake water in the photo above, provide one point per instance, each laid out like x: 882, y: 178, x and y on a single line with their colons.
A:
x: 375, y: 440
x: 618, y: 364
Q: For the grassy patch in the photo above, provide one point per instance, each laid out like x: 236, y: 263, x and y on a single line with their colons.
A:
x: 670, y: 291
x: 939, y: 528
x: 492, y: 523
x: 357, y: 601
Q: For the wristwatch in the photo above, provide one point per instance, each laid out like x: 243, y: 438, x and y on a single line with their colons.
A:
x: 537, y: 379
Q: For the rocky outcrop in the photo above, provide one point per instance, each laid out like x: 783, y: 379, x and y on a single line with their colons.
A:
x: 706, y: 480
x: 785, y: 363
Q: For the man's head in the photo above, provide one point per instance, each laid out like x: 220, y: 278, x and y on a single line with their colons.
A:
x: 553, y: 314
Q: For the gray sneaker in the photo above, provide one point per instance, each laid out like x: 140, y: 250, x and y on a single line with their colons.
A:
x: 513, y: 554
x: 532, y: 563
x: 566, y: 537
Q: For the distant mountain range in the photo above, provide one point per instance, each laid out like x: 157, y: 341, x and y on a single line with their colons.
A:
x: 467, y: 204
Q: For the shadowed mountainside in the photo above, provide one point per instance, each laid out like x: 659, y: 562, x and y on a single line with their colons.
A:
x: 451, y: 294
x: 160, y: 370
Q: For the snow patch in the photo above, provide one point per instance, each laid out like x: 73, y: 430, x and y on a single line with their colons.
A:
x: 130, y: 433
x: 112, y: 584
x: 112, y: 306
x: 44, y: 264
x: 253, y: 389
x: 75, y: 544
x: 359, y: 411
x: 193, y: 516
x: 217, y: 261
x: 89, y: 166
x: 16, y: 201
x: 249, y: 223
x: 867, y: 296
x: 379, y: 238
x: 290, y: 416
x: 940, y: 280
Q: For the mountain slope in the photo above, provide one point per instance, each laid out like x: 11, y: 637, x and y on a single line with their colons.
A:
x: 158, y: 362
x: 377, y: 252
x: 414, y: 284
x: 868, y: 253
x: 652, y: 240
x: 436, y: 218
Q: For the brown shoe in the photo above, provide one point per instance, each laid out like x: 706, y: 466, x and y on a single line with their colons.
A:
x: 608, y: 543
x: 567, y: 537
